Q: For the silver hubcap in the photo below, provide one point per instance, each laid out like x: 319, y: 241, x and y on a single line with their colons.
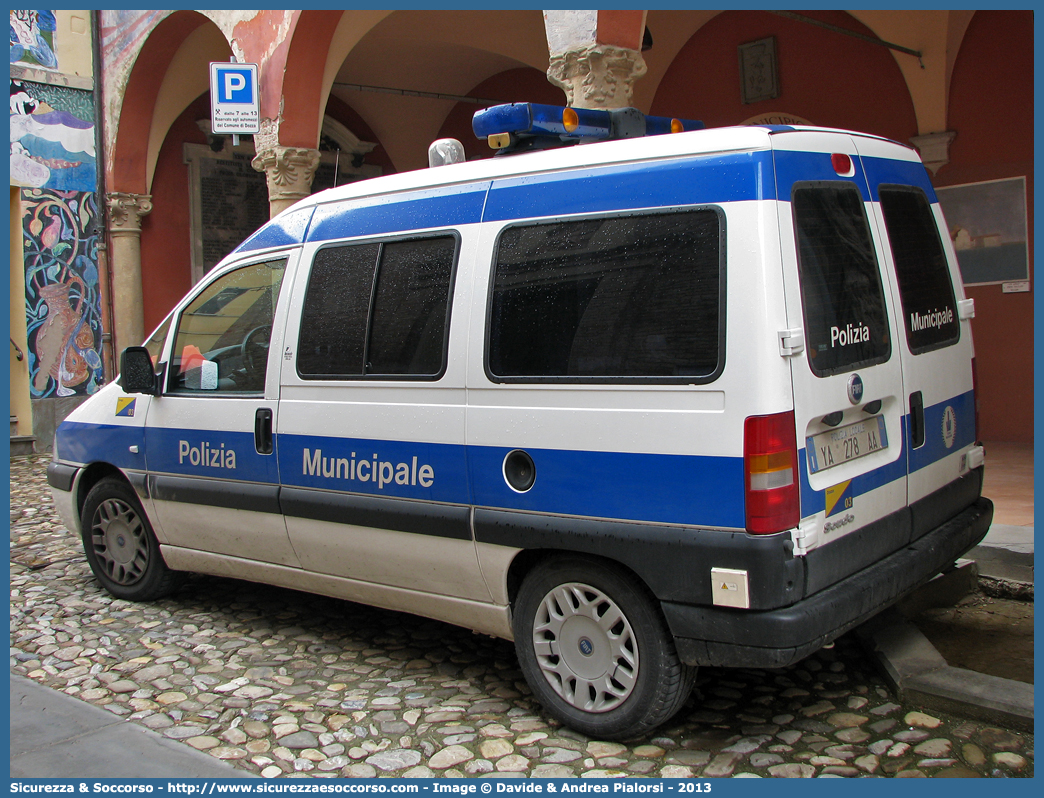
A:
x: 585, y: 647
x: 120, y: 544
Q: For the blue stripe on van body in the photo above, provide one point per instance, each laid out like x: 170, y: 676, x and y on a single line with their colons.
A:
x: 935, y: 447
x: 282, y: 232
x: 412, y: 210
x: 80, y: 442
x: 794, y: 166
x: 672, y: 489
x: 904, y: 173
x: 658, y: 488
x: 216, y: 454
x: 697, y: 180
x: 404, y: 469
x: 694, y: 180
x: 933, y: 450
x: 701, y: 491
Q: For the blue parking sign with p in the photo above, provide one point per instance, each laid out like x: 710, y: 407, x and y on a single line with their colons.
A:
x: 234, y: 85
x: 234, y: 105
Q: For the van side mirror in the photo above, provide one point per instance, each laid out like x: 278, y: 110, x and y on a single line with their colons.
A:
x: 136, y: 372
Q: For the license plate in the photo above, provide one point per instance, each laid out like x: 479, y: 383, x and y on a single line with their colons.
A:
x: 844, y: 444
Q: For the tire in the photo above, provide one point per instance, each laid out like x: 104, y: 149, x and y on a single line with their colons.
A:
x: 594, y: 649
x: 121, y: 549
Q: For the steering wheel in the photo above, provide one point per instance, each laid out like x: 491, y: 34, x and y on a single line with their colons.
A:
x: 255, y: 349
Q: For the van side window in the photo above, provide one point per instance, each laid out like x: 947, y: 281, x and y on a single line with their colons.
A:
x: 221, y: 344
x: 929, y: 306
x: 846, y: 322
x: 378, y: 309
x: 637, y: 297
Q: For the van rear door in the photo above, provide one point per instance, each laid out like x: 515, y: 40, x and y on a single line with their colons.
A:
x: 933, y: 338
x: 847, y: 376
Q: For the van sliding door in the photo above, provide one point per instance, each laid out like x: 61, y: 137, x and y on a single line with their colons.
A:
x: 372, y: 425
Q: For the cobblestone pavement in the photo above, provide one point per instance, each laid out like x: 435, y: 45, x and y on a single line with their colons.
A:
x: 286, y: 684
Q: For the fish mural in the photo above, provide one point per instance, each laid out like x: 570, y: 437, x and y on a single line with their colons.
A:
x: 63, y: 307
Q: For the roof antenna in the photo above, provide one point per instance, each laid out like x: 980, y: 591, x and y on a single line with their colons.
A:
x: 337, y: 161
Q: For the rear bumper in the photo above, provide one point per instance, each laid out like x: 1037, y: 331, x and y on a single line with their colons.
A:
x: 776, y: 638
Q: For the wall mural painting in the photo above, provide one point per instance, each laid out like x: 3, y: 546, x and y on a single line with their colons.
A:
x: 63, y: 309
x: 32, y: 38
x: 123, y: 31
x: 52, y: 137
x: 988, y: 227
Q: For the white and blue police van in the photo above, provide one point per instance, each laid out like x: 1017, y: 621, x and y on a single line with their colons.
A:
x: 641, y: 404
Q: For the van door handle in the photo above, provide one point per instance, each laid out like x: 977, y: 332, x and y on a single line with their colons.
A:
x: 916, y: 420
x: 263, y: 430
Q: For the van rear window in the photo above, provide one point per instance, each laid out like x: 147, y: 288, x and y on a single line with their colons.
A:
x: 846, y: 322
x: 627, y: 297
x: 929, y: 305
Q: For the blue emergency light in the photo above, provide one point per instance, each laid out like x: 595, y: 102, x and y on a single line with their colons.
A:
x: 532, y: 126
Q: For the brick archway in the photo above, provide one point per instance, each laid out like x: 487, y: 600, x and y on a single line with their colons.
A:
x: 128, y: 167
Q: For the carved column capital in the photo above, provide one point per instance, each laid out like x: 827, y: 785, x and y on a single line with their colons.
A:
x: 598, y: 76
x: 934, y: 148
x: 289, y: 171
x: 126, y: 211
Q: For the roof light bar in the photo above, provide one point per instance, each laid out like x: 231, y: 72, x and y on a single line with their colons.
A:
x: 529, y: 125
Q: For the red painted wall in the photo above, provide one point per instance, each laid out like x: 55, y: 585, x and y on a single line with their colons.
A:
x: 991, y: 109
x: 825, y: 77
x: 166, y: 255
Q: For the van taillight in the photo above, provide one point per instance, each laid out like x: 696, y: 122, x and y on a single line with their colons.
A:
x: 770, y: 466
x: 975, y: 394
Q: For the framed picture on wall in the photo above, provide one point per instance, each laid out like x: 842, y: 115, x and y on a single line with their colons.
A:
x: 988, y: 228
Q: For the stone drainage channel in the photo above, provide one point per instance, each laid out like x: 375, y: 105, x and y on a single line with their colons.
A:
x: 284, y: 684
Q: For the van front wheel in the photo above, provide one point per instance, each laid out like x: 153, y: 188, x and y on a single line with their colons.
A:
x: 121, y: 549
x: 593, y: 647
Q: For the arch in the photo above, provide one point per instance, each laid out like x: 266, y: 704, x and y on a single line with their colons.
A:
x: 937, y: 35
x: 129, y: 168
x: 444, y: 52
x: 187, y: 79
x: 296, y: 82
x: 829, y: 79
x: 166, y: 254
x: 344, y: 114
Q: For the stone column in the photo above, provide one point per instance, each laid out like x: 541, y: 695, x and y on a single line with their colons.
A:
x: 125, y: 212
x: 289, y: 171
x: 595, y: 55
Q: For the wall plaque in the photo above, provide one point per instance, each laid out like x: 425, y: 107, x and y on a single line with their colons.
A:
x: 759, y: 76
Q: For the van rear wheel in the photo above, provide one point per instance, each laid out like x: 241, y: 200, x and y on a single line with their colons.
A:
x: 594, y: 649
x: 120, y: 546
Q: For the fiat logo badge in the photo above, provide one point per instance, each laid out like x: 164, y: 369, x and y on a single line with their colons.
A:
x: 855, y: 389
